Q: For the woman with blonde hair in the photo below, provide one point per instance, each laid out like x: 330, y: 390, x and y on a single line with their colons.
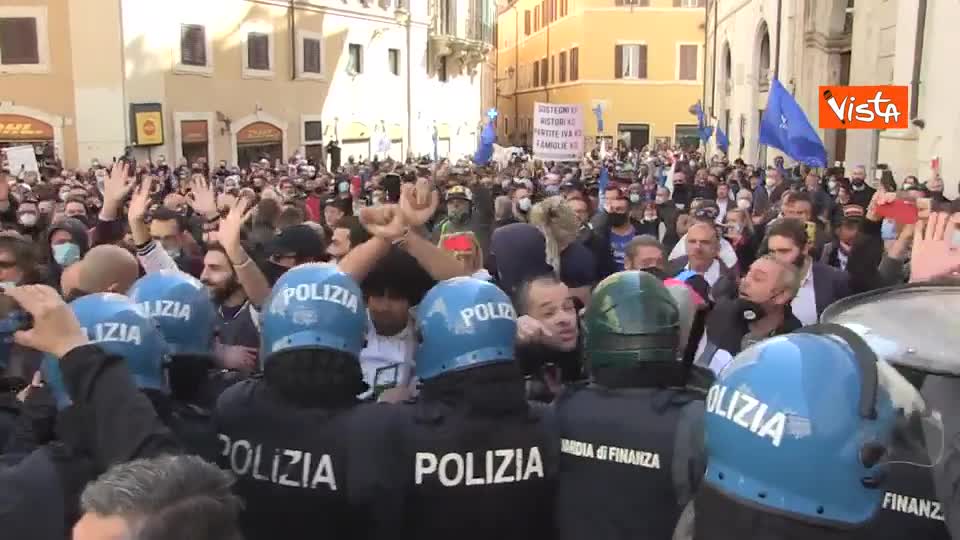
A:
x: 571, y: 261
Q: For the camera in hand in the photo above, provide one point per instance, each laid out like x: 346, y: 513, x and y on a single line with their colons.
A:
x: 12, y: 318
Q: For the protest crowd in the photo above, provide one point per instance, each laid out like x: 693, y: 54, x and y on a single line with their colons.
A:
x: 645, y: 343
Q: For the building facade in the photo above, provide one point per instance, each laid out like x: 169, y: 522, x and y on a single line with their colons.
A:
x: 640, y: 61
x: 910, y: 43
x: 237, y: 80
x: 803, y: 43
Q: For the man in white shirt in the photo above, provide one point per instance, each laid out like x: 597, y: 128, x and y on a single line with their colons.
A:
x: 702, y: 248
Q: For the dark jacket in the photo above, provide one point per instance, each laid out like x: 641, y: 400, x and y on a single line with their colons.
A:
x: 829, y: 285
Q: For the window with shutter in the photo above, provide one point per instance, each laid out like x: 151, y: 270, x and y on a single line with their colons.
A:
x: 19, y: 43
x: 313, y: 131
x: 641, y: 61
x: 575, y: 64
x: 688, y: 62
x: 543, y: 72
x: 393, y: 58
x: 563, y: 66
x: 618, y: 62
x: 536, y: 73
x: 526, y: 22
x: 553, y: 69
x: 258, y: 51
x: 356, y: 58
x: 193, y: 45
x: 631, y: 61
x: 311, y: 56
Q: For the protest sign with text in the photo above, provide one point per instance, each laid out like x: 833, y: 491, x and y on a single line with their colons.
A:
x: 557, y: 132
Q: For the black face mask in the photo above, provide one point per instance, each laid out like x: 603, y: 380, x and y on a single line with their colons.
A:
x: 272, y: 271
x: 749, y: 310
x: 655, y: 272
x: 617, y: 219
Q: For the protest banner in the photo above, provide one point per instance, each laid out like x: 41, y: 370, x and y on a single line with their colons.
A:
x: 557, y: 132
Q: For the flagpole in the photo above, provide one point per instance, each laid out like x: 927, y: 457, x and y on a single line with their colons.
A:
x: 776, y: 60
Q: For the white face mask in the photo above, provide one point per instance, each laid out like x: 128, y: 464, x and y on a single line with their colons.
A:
x: 64, y: 194
x: 743, y: 204
x: 524, y: 204
x: 661, y: 200
x: 28, y: 220
x: 770, y: 182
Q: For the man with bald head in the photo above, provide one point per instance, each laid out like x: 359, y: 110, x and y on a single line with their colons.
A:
x: 105, y: 268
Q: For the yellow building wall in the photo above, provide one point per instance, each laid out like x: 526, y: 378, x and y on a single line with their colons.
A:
x: 51, y: 92
x: 596, y: 27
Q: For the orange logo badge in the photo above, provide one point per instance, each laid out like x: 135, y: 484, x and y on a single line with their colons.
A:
x: 864, y: 107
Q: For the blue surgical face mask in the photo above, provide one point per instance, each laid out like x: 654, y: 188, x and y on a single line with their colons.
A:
x: 344, y: 187
x: 4, y: 285
x: 66, y: 254
x: 634, y: 198
x: 956, y: 237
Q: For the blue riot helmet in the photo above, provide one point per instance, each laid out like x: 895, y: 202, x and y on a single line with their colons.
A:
x: 313, y: 306
x: 117, y: 325
x: 181, y: 306
x: 804, y: 426
x: 464, y: 323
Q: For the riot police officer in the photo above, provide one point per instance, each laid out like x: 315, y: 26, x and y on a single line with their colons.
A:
x: 182, y: 307
x: 474, y: 459
x: 109, y: 420
x: 800, y: 433
x: 183, y: 311
x: 288, y: 435
x: 631, y: 453
x: 120, y: 328
x: 910, y: 506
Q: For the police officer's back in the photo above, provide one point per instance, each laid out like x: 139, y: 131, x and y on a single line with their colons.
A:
x: 475, y: 458
x: 630, y: 439
x: 186, y: 317
x: 287, y: 436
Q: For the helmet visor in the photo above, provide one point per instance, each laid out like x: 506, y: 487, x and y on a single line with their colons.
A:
x: 918, y: 435
x: 911, y: 326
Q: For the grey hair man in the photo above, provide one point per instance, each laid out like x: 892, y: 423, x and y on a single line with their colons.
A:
x: 163, y: 498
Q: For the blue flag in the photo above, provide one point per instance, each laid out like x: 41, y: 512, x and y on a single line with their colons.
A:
x: 598, y: 112
x: 723, y: 143
x: 485, y: 148
x: 785, y: 126
x: 603, y: 181
x: 703, y: 129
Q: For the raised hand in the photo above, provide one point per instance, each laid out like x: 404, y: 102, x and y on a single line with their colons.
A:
x: 204, y: 200
x: 419, y: 202
x: 118, y: 184
x: 384, y: 221
x: 934, y: 254
x: 232, y: 225
x: 140, y: 202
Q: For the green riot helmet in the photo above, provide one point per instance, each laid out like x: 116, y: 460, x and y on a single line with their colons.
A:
x: 632, y: 319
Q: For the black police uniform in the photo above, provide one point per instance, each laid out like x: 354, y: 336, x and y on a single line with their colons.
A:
x: 293, y: 465
x: 910, y: 507
x: 630, y: 459
x: 473, y: 476
x: 110, y: 422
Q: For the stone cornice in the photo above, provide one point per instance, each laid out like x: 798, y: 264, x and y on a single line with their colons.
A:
x: 830, y: 44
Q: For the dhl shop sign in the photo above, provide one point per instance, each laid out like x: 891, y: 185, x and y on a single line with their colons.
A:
x: 15, y: 127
